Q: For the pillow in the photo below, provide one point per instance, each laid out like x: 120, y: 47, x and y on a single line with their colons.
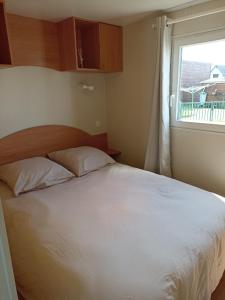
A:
x: 81, y: 160
x: 33, y: 173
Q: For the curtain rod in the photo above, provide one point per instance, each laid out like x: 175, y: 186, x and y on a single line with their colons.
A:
x: 196, y: 16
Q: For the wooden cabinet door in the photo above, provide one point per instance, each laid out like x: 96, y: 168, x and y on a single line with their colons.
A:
x: 111, y: 48
x: 67, y: 44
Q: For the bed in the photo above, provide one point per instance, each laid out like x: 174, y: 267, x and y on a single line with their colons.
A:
x: 117, y: 233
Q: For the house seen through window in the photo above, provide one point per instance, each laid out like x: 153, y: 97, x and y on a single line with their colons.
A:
x: 202, y: 83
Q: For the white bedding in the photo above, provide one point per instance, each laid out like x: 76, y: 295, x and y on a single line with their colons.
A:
x: 117, y: 234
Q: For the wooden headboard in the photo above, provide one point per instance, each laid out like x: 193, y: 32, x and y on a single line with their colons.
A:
x: 38, y: 141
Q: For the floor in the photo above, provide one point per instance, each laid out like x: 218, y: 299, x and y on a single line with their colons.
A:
x: 219, y: 293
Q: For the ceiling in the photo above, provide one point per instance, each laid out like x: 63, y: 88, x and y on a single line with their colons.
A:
x: 116, y: 11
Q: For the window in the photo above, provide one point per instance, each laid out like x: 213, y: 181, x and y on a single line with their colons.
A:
x: 199, y: 82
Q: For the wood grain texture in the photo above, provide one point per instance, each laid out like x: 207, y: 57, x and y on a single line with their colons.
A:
x: 111, y: 48
x: 34, y: 42
x: 38, y: 141
x: 27, y: 41
x: 87, y: 41
x: 67, y: 44
x: 100, y: 44
x: 112, y: 152
x: 5, y: 49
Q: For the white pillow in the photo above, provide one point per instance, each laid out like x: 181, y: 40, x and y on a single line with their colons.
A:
x: 81, y: 160
x: 33, y: 173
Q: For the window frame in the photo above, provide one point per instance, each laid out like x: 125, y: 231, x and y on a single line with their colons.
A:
x: 177, y: 44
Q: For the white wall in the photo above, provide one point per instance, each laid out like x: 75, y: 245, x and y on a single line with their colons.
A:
x: 129, y: 93
x: 198, y: 157
x: 200, y: 24
x: 32, y: 96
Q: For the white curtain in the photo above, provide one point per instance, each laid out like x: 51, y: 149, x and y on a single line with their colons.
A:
x: 158, y: 149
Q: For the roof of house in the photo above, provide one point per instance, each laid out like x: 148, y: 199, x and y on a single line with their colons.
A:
x: 194, y: 72
x: 221, y: 68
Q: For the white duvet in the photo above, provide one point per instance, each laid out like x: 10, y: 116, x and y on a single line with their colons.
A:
x: 117, y: 234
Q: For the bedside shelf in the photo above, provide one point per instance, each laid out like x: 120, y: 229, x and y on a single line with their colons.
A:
x: 112, y: 152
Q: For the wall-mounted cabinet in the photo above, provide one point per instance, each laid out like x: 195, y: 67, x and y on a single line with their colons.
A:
x: 70, y: 45
x: 33, y: 42
x: 5, y: 51
x: 79, y: 45
x: 90, y: 46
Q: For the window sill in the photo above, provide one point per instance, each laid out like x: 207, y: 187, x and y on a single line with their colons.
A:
x: 201, y: 126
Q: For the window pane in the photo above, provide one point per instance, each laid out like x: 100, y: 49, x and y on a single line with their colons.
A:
x: 202, y: 83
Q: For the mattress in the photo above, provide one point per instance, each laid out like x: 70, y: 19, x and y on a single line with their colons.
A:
x: 118, y: 233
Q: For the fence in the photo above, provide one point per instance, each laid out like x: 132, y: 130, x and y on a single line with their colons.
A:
x: 207, y: 112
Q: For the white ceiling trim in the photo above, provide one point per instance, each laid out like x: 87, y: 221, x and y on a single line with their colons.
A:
x: 122, y: 11
x: 186, y: 5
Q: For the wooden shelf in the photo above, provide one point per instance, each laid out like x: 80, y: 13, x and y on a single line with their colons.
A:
x: 112, y: 152
x: 87, y: 44
x: 5, y: 52
x: 88, y: 70
x: 3, y: 66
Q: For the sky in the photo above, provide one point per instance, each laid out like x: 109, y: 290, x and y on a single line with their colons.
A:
x: 211, y: 52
